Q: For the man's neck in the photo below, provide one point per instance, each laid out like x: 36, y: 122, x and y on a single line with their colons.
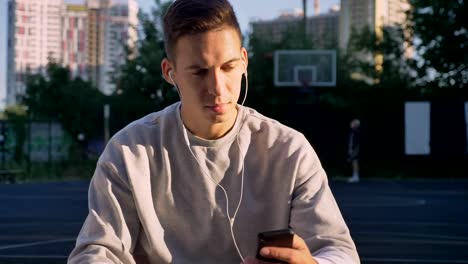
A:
x: 208, y: 130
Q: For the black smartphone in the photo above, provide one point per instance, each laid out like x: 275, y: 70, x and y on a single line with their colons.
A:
x: 275, y: 238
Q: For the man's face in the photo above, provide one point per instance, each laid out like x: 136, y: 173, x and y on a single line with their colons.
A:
x: 208, y: 71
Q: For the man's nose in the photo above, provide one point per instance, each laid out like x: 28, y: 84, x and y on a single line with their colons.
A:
x: 217, y: 83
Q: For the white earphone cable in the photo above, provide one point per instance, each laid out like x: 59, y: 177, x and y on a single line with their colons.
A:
x: 231, y: 220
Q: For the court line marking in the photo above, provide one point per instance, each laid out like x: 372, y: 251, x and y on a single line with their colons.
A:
x: 32, y: 257
x: 453, y: 261
x: 436, y: 192
x: 385, y: 198
x: 22, y: 245
x: 414, y: 235
x: 39, y: 224
x: 410, y: 241
x: 408, y: 203
x: 409, y: 223
x: 43, y: 197
x: 456, y: 261
x: 32, y: 237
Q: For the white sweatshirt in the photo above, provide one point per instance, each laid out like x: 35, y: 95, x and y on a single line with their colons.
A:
x: 151, y: 202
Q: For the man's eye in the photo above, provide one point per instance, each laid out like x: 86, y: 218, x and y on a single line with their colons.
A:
x: 200, y: 72
x: 228, y: 68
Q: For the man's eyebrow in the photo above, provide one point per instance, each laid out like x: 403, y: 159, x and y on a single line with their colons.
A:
x: 197, y: 67
x: 231, y: 61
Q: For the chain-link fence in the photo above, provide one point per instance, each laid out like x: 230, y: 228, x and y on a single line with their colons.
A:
x: 42, y: 150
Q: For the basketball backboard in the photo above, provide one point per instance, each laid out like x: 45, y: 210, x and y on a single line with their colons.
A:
x: 305, y: 67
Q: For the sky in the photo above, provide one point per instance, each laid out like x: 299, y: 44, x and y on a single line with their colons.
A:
x: 3, y: 46
x: 254, y: 9
x: 246, y: 10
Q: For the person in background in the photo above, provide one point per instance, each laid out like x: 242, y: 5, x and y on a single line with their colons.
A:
x: 353, y: 149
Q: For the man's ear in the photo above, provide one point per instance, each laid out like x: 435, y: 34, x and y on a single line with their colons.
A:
x: 244, y: 58
x: 167, y: 68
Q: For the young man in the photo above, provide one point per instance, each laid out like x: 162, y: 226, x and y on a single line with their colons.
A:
x: 353, y: 149
x: 197, y: 181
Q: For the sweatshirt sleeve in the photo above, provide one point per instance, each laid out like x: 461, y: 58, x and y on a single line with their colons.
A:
x: 112, y: 226
x: 315, y: 215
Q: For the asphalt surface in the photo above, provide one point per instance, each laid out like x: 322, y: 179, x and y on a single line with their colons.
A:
x: 409, y: 221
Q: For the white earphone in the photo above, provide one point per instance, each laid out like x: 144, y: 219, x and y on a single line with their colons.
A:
x: 175, y: 85
x: 246, y: 82
x: 244, y: 73
x: 233, y: 218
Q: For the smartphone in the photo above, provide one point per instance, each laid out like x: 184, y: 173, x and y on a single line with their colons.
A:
x: 274, y: 238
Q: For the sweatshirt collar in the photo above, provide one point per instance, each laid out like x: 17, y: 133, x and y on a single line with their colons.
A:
x: 226, y: 139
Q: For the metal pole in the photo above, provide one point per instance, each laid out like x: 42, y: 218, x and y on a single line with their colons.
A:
x: 3, y: 142
x: 28, y: 161
x: 49, y: 149
x: 304, y: 10
x: 106, y: 123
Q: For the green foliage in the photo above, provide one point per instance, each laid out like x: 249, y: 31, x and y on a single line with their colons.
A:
x: 76, y: 104
x: 364, y: 49
x: 442, y: 32
x: 17, y: 115
x: 141, y: 89
x: 323, y: 113
x: 263, y: 95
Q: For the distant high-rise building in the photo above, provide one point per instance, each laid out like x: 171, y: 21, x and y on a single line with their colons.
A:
x: 75, y: 41
x: 10, y: 94
x: 3, y: 52
x: 321, y: 29
x: 89, y: 39
x: 374, y: 14
x: 33, y: 38
x: 96, y: 28
x: 112, y: 25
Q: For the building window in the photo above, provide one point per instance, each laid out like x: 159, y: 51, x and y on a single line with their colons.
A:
x: 20, y: 30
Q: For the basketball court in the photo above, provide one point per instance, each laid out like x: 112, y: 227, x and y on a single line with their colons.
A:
x: 412, y: 221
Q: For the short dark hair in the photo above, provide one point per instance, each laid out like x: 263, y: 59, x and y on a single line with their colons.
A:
x: 189, y: 17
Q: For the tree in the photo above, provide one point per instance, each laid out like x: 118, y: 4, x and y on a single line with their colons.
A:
x: 141, y: 89
x: 17, y: 115
x: 440, y: 28
x: 76, y: 104
x: 262, y: 93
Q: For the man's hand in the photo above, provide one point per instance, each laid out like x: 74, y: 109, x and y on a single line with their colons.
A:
x: 298, y: 254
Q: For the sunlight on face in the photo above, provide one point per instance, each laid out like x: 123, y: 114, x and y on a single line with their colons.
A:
x: 208, y: 70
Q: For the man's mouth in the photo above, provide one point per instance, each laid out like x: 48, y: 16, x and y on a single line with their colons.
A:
x: 218, y: 108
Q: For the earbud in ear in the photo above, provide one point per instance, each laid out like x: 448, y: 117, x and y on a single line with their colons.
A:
x: 245, y: 68
x: 170, y: 76
x: 174, y: 83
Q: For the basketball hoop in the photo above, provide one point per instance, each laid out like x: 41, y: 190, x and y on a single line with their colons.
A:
x: 299, y: 68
